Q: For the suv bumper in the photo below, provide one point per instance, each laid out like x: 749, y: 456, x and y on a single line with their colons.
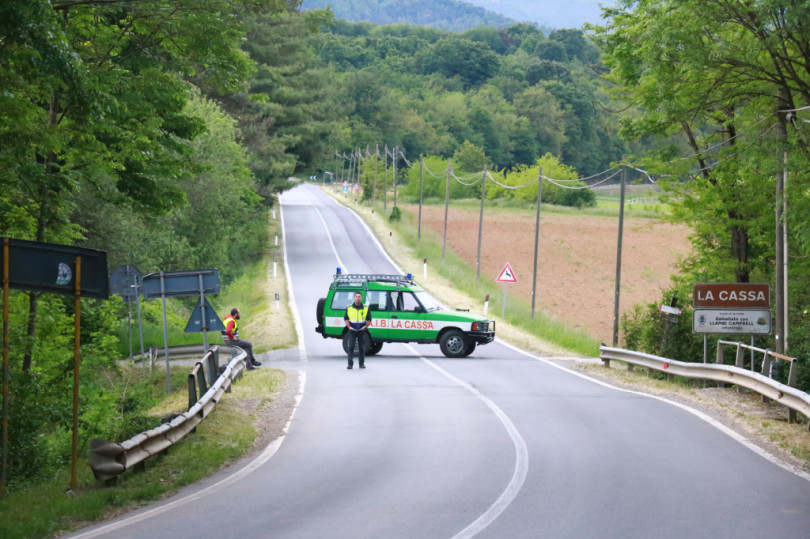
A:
x: 482, y: 337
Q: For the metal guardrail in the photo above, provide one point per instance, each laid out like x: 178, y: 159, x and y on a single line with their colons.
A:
x: 767, y: 359
x: 110, y: 459
x: 790, y: 397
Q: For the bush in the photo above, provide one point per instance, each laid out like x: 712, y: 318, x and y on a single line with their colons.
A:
x: 396, y: 215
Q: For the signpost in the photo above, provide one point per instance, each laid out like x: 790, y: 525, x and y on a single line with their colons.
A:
x: 731, y: 308
x: 506, y: 276
x: 56, y: 269
x: 199, y: 323
x: 126, y: 282
x: 178, y: 284
x: 741, y: 308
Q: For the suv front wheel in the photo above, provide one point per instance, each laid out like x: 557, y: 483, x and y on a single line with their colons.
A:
x: 454, y: 344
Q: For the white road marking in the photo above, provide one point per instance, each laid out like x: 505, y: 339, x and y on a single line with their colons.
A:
x: 329, y: 236
x: 263, y: 457
x: 521, y: 457
x: 708, y: 419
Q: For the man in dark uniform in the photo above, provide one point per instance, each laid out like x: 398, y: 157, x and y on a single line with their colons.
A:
x: 358, y: 319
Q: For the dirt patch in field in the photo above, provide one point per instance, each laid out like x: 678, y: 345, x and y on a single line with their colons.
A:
x: 577, y: 261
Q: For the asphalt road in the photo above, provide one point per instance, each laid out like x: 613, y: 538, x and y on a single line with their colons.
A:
x: 499, y: 444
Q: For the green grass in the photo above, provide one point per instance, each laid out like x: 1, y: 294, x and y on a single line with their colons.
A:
x: 46, y: 509
x: 244, y: 292
x: 463, y: 278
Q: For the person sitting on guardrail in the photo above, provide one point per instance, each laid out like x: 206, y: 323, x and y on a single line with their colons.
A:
x: 231, y: 336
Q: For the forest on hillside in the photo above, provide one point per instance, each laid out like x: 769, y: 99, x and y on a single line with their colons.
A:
x: 515, y: 93
x: 160, y: 131
x: 444, y: 14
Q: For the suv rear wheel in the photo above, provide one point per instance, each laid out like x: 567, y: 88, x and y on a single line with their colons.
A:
x: 366, y: 344
x: 454, y: 343
x: 319, y: 311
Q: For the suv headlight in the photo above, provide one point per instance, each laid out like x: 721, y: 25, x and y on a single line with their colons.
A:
x: 480, y: 326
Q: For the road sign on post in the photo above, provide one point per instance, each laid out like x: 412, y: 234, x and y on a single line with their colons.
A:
x: 180, y: 284
x: 198, y: 324
x: 55, y: 269
x: 126, y: 282
x: 506, y: 276
x: 732, y: 308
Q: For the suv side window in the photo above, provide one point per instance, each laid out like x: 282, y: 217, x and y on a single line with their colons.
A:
x: 407, y: 303
x: 342, y: 299
x: 377, y: 300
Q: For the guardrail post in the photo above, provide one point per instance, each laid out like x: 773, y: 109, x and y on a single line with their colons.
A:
x: 792, y: 373
x: 192, y: 390
x: 201, y: 379
x: 766, y: 370
x: 792, y: 417
x: 739, y: 361
x: 213, y: 365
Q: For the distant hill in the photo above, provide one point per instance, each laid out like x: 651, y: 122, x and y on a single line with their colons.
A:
x: 444, y: 14
x: 553, y: 13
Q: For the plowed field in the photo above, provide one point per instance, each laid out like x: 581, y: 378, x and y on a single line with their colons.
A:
x: 577, y: 260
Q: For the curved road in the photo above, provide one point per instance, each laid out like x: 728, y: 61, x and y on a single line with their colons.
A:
x: 500, y: 444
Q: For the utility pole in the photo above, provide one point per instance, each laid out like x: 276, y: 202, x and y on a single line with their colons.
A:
x: 537, y: 234
x: 396, y: 158
x: 446, y: 205
x: 619, y: 263
x: 421, y: 172
x: 376, y: 165
x: 780, y: 244
x: 481, y: 223
x: 385, y: 186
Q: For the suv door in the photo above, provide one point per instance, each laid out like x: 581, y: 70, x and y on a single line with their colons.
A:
x: 408, y: 321
x: 380, y: 304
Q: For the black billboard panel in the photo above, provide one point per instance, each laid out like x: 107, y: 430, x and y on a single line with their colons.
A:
x: 50, y: 267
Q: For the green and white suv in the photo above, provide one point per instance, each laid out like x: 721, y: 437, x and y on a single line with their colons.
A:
x: 401, y: 311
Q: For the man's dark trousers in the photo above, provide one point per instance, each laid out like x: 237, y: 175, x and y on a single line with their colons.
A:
x: 358, y: 336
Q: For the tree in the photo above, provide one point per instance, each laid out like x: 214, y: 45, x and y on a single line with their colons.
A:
x: 473, y: 62
x: 298, y: 113
x: 715, y: 77
x: 99, y: 90
x: 545, y: 117
x: 695, y: 87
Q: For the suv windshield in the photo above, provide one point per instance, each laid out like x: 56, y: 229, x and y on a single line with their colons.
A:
x: 427, y: 301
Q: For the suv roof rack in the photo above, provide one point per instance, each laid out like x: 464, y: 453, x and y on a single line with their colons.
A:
x: 364, y: 278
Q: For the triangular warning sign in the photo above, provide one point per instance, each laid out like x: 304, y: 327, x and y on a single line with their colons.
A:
x: 507, y: 275
x: 195, y: 323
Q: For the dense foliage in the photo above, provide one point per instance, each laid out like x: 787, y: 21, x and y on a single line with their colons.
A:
x: 724, y: 85
x: 513, y: 92
x: 107, y: 140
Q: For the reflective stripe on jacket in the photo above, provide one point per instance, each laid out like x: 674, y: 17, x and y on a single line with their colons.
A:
x: 357, y: 317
